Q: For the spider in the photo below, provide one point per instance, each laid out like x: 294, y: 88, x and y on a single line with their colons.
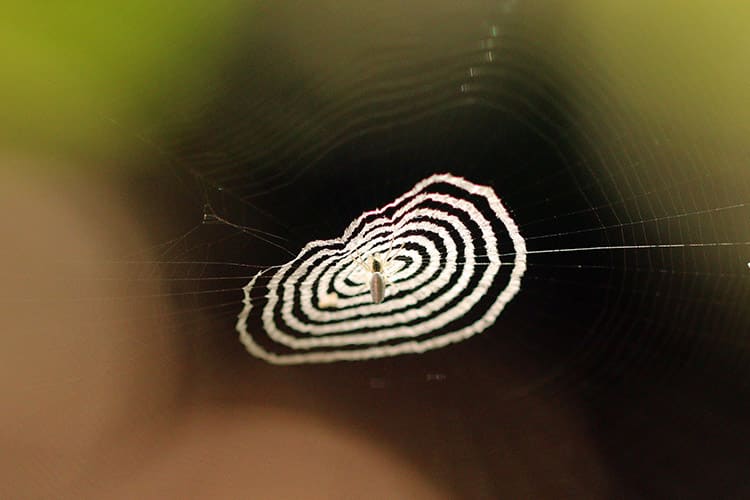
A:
x: 376, y: 267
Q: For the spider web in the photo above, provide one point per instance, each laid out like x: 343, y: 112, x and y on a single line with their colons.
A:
x: 637, y: 233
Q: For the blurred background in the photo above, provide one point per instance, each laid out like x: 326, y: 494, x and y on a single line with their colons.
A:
x: 137, y: 141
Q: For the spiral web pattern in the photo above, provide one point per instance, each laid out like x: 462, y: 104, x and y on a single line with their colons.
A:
x: 453, y: 259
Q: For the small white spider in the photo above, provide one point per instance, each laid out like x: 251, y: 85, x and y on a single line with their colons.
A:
x: 377, y: 269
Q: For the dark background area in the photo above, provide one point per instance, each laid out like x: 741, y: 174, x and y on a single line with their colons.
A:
x: 616, y: 337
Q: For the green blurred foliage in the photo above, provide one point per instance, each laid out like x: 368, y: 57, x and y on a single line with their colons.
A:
x: 80, y: 79
x: 88, y: 78
x: 683, y: 63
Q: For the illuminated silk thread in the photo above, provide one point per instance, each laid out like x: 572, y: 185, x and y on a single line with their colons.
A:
x: 450, y: 242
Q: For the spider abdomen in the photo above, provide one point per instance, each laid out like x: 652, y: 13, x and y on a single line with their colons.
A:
x: 377, y: 287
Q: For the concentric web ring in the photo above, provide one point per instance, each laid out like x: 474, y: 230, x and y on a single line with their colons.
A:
x: 455, y: 260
